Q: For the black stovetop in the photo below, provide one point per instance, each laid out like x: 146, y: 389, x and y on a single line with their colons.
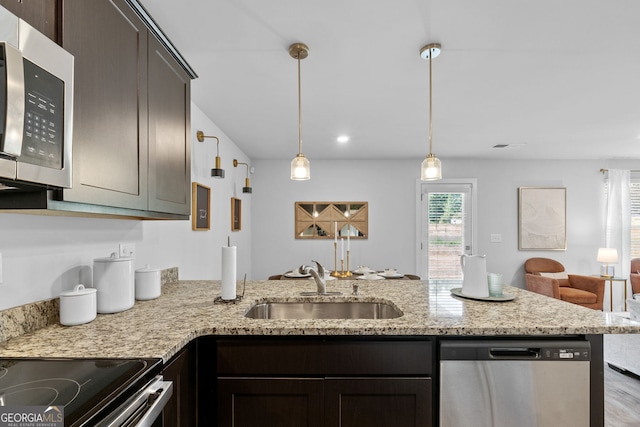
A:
x: 84, y: 387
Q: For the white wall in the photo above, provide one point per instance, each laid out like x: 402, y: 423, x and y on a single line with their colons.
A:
x: 389, y: 187
x: 43, y: 255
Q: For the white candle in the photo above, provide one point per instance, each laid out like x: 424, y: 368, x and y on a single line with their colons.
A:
x: 348, y: 242
x: 341, y: 248
x: 335, y: 232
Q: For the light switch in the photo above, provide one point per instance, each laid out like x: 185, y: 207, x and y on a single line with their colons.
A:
x: 496, y: 238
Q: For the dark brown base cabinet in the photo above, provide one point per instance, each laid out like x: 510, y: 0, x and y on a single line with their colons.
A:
x: 324, y: 382
x: 181, y: 410
x: 318, y: 402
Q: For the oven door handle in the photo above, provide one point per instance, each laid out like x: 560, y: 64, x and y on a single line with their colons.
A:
x: 143, y: 409
x: 155, y: 404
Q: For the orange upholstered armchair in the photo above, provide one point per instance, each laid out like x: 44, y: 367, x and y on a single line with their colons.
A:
x: 546, y: 276
x: 635, y: 275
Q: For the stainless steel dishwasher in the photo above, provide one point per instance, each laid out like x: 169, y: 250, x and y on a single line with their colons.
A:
x: 506, y: 383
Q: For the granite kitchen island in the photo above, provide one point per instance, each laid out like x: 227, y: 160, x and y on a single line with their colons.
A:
x: 186, y: 311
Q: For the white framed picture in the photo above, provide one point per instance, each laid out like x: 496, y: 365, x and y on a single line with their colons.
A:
x: 542, y: 218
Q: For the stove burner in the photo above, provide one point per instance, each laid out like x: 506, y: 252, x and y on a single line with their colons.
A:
x: 82, y: 386
x: 47, y: 392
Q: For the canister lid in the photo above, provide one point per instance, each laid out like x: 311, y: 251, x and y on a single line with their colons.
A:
x: 77, y: 291
x: 113, y: 258
x: 147, y: 269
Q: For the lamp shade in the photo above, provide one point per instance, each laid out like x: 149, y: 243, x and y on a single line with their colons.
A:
x: 608, y: 255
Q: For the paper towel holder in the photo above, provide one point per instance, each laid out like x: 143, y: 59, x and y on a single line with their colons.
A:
x: 238, y: 298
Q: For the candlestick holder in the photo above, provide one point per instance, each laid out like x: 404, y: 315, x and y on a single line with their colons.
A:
x: 348, y: 272
x: 342, y: 273
x: 335, y: 272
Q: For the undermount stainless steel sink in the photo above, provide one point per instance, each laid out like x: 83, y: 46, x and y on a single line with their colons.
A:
x: 323, y: 310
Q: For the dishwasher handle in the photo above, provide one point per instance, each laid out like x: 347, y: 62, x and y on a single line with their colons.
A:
x: 514, y: 353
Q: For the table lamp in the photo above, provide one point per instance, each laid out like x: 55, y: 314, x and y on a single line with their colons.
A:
x: 607, y: 255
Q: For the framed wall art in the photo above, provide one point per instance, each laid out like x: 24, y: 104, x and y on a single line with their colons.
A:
x: 542, y: 218
x: 200, y: 205
x: 236, y: 214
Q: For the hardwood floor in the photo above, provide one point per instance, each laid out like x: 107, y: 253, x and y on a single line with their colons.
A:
x: 621, y: 399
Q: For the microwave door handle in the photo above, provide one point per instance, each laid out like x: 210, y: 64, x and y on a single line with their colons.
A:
x: 14, y: 125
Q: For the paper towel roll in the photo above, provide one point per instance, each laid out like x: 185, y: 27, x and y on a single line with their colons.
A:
x: 228, y: 272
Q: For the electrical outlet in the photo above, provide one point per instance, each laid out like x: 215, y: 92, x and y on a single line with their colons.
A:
x: 496, y: 238
x: 127, y: 250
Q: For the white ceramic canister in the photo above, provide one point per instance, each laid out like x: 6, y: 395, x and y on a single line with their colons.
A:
x: 77, y: 306
x: 148, y: 283
x: 113, y: 278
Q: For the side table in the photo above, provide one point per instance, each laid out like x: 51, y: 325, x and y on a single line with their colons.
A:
x: 611, y: 280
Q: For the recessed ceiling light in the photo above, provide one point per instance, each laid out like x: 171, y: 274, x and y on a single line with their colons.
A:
x: 343, y: 138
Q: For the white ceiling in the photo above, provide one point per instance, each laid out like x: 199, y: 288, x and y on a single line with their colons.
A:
x: 559, y: 78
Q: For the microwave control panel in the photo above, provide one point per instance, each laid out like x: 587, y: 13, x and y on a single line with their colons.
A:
x: 43, y: 141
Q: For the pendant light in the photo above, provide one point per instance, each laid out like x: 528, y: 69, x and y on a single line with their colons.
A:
x: 247, y: 182
x: 216, y: 172
x: 431, y: 168
x: 300, y: 167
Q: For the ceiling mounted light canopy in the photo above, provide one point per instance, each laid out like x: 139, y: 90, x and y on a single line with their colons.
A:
x: 431, y: 169
x: 247, y: 182
x: 217, y: 172
x: 300, y: 166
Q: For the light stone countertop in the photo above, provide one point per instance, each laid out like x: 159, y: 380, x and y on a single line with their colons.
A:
x: 161, y: 327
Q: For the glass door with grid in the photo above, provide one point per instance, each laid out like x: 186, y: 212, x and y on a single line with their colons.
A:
x: 447, y: 231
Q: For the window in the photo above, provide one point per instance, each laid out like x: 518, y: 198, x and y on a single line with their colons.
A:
x: 634, y: 189
x: 635, y: 216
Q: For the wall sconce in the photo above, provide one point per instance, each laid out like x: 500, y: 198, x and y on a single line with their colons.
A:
x: 247, y: 182
x: 217, y: 172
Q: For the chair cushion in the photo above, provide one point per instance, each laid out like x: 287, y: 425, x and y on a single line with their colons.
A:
x: 562, y: 277
x: 577, y: 296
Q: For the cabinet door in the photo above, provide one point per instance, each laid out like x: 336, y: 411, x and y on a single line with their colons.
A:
x: 40, y: 14
x: 169, y: 131
x: 379, y: 402
x: 181, y: 410
x: 270, y: 402
x: 109, y: 43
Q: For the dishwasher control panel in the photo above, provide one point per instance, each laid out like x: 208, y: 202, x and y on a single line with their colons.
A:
x: 541, y: 350
x: 565, y: 353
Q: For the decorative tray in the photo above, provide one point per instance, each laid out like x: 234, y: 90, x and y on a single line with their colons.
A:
x: 505, y: 297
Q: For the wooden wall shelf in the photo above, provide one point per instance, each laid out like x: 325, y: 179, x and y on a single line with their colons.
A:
x: 318, y: 220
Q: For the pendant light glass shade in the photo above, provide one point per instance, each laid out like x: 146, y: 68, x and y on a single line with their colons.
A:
x: 300, y: 166
x: 431, y: 169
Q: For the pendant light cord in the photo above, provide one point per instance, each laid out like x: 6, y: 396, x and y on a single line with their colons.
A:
x: 430, y: 105
x: 299, y: 109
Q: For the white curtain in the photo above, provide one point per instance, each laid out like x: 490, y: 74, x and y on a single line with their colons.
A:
x: 618, y: 219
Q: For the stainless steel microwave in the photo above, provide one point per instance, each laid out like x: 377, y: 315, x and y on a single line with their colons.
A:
x: 36, y: 108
